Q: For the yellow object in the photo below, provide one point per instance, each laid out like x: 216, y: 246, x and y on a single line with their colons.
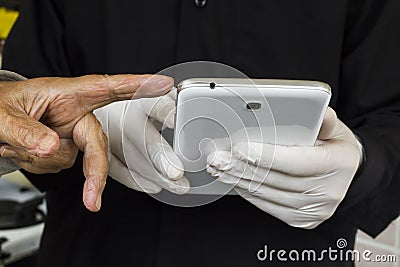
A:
x: 7, y: 20
x: 18, y: 178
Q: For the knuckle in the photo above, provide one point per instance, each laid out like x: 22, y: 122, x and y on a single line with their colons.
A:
x: 31, y: 160
x: 105, y: 81
x: 101, y: 83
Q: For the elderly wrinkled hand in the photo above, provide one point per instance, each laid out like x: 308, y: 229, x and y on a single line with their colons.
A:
x: 46, y: 120
x: 301, y: 186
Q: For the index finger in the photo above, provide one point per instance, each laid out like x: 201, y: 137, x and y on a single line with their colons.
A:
x: 95, y: 91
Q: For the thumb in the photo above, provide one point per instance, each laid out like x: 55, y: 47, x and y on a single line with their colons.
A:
x: 22, y: 131
x: 329, y: 124
x: 162, y: 155
x: 95, y: 91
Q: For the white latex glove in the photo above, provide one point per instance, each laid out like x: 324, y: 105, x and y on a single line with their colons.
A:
x: 139, y: 156
x: 304, y: 185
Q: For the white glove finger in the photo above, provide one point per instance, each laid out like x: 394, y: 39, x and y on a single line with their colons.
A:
x: 151, y: 145
x: 328, y: 125
x: 166, y: 161
x: 141, y: 136
x: 119, y: 172
x: 148, y: 171
x: 333, y: 128
x: 162, y: 109
x: 110, y: 118
x: 291, y: 199
x: 224, y: 161
x: 313, y: 203
x: 292, y: 160
x: 258, y: 175
x: 101, y: 115
x: 295, y: 218
x: 173, y: 93
x: 162, y: 155
x: 281, y: 212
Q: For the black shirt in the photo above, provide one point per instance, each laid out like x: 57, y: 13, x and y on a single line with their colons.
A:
x: 350, y: 44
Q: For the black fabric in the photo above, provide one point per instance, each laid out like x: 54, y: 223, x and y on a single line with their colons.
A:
x: 351, y: 45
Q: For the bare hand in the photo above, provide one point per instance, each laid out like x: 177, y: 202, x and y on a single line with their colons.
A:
x: 38, y: 115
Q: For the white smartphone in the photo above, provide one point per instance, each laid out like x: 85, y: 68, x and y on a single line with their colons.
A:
x: 214, y: 114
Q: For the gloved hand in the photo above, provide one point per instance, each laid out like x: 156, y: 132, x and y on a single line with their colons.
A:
x: 304, y: 185
x: 139, y: 157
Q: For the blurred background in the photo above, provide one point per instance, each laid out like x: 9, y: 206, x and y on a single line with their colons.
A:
x: 23, y: 210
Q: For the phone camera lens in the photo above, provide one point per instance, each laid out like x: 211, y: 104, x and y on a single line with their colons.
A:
x: 253, y: 106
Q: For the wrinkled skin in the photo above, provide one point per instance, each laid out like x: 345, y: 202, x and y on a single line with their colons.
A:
x: 46, y: 120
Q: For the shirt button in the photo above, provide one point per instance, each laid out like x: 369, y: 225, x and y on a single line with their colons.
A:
x: 200, y: 3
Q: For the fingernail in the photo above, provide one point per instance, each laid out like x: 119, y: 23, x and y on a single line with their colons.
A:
x: 47, y: 143
x: 94, y: 193
x: 8, y: 153
x: 91, y: 193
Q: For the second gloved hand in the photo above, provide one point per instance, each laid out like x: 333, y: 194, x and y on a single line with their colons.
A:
x: 139, y: 157
x: 301, y: 186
